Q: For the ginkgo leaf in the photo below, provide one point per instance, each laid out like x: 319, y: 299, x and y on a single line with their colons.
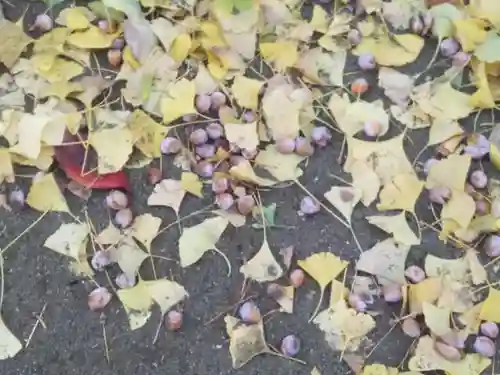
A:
x: 442, y: 130
x: 397, y: 226
x: 76, y: 18
x: 244, y: 172
x: 283, y: 54
x: 338, y: 292
x: 323, y: 68
x: 324, y: 268
x: 244, y: 135
x: 113, y: 147
x: 165, y: 293
x: 489, y: 309
x: 387, y: 158
x: 45, y: 195
x: 10, y: 344
x: 283, y: 167
x: 6, y: 170
x: 168, y: 193
x: 344, y: 199
x: 404, y: 49
x: 397, y: 86
x: 344, y: 328
x: 379, y: 369
x: 427, y: 290
x: 366, y: 181
x: 460, y: 208
x: 426, y: 358
x: 147, y: 133
x: 246, y: 91
x: 191, y: 183
x: 92, y: 38
x: 197, y: 240
x: 283, y: 295
x: 71, y: 240
x: 14, y: 42
x: 179, y: 100
x: 450, y: 172
x: 110, y: 235
x: 137, y: 303
x: 386, y: 260
x: 262, y: 266
x: 144, y: 229
x: 245, y: 341
x: 401, y: 194
x: 129, y: 256
x: 436, y: 318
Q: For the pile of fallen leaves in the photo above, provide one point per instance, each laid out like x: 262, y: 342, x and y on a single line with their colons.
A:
x: 239, y: 94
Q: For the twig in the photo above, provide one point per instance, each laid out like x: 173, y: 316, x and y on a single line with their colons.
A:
x: 39, y: 321
x: 13, y: 242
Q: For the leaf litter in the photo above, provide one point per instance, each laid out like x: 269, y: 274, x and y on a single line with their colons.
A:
x: 187, y: 67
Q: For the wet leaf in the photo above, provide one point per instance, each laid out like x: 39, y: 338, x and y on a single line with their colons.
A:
x: 197, y: 240
x: 262, y: 266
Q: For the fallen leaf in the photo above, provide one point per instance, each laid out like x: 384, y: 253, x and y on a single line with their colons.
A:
x: 283, y: 54
x: 246, y: 91
x: 401, y: 194
x: 76, y: 18
x: 344, y: 328
x: 45, y: 195
x: 321, y: 67
x: 197, y: 240
x: 244, y: 172
x: 437, y: 319
x: 128, y: 255
x: 191, y: 183
x: 10, y: 345
x: 489, y: 309
x: 6, y: 170
x: 404, y: 49
x: 262, y: 266
x: 245, y: 341
x: 450, y: 172
x: 167, y: 193
x: 137, y: 303
x: 338, y: 292
x: 144, y: 229
x: 397, y: 86
x: 397, y: 226
x: 283, y: 295
x: 165, y: 293
x: 244, y: 135
x: 442, y: 130
x: 379, y: 369
x: 281, y: 112
x: 427, y: 290
x: 426, y: 358
x: 113, y: 146
x: 91, y: 38
x: 386, y: 260
x: 71, y: 240
x: 283, y: 167
x: 147, y: 133
x: 344, y: 199
x: 366, y: 181
x: 14, y: 43
x: 179, y: 100
x: 470, y: 33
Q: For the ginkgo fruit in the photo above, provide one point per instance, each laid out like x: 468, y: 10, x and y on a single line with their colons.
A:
x: 303, y: 147
x: 117, y: 200
x: 249, y: 116
x: 218, y: 99
x: 449, y: 47
x: 354, y: 37
x: 285, y: 145
x: 220, y: 185
x: 124, y: 281
x: 225, y: 201
x: 309, y: 206
x: 461, y: 59
x: 428, y: 21
x: 118, y: 44
x: 203, y: 103
x: 372, y: 128
x: 173, y: 320
x: 204, y: 169
x: 492, y: 245
x: 415, y: 274
x: 17, y: 199
x: 484, y: 346
x: 359, y: 86
x: 124, y: 217
x: 100, y: 260
x: 367, y: 62
x: 249, y: 312
x: 98, y: 298
x: 489, y: 329
x: 215, y: 130
x: 447, y: 351
x: 478, y: 179
x: 416, y: 25
x: 245, y: 204
x: 411, y: 327
x: 321, y: 135
x: 439, y: 194
x: 392, y: 293
x: 297, y: 277
x: 115, y: 57
x: 205, y: 151
x: 198, y: 137
x: 290, y: 345
x: 478, y: 146
x: 357, y: 302
x: 43, y: 22
x: 170, y: 146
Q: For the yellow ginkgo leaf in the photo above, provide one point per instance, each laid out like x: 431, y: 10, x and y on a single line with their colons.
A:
x: 180, y: 47
x: 92, y: 38
x: 191, y: 183
x: 283, y: 167
x: 197, y: 240
x: 14, y: 41
x: 61, y: 70
x: 244, y: 172
x: 450, y: 172
x: 45, y: 195
x: 6, y: 170
x: 460, y: 208
x: 246, y: 91
x: 436, y: 318
x: 322, y: 267
x: 397, y: 226
x: 379, y: 369
x: 144, y: 229
x: 137, y: 303
x: 483, y: 97
x: 75, y: 18
x: 113, y: 147
x: 61, y: 89
x: 262, y: 266
x: 283, y: 54
x: 401, y: 194
x: 179, y: 100
x: 165, y: 293
x: 168, y: 193
x: 404, y: 49
x: 470, y: 33
x: 489, y: 309
x: 147, y: 133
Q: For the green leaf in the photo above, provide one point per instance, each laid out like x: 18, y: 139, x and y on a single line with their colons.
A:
x: 444, y: 15
x: 489, y: 51
x: 103, y: 12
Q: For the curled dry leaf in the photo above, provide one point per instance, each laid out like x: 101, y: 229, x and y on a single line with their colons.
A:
x: 262, y: 266
x: 245, y: 341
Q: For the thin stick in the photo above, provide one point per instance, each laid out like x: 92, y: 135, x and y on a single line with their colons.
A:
x: 228, y: 263
x: 11, y: 243
x: 39, y: 321
x: 318, y: 306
